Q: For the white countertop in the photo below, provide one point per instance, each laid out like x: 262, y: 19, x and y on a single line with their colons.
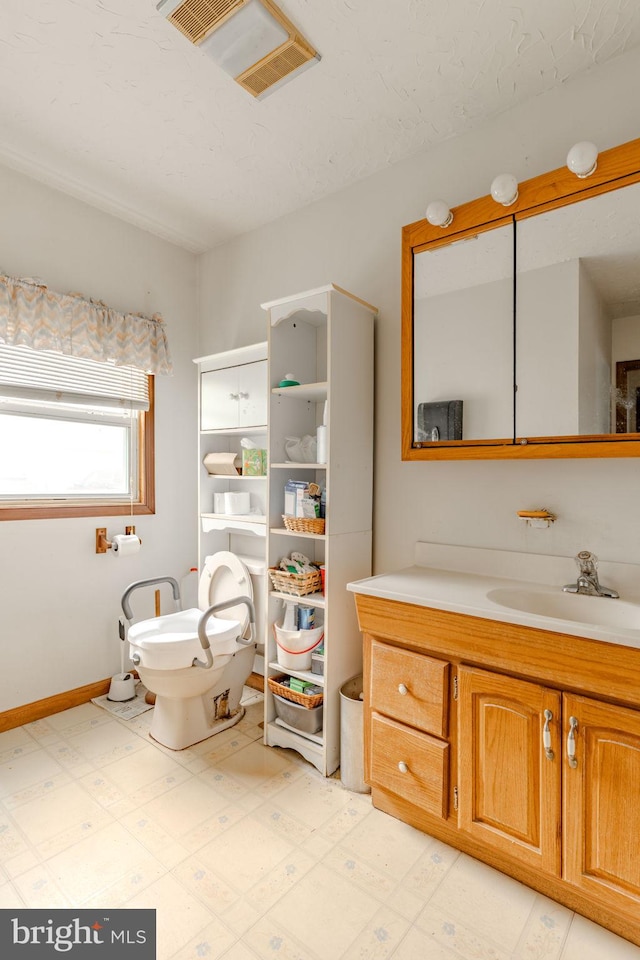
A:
x: 467, y: 592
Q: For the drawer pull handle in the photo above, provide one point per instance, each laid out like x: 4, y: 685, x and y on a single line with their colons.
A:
x: 402, y: 689
x: 403, y: 767
x: 571, y: 743
x: 546, y: 735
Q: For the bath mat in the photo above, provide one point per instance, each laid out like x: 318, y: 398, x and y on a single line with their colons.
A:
x: 127, y: 709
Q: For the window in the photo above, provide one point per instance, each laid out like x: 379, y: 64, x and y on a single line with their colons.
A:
x: 76, y: 437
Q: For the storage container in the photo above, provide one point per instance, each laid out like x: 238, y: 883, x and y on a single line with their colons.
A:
x: 295, y: 584
x: 295, y: 646
x: 307, y: 721
x: 281, y: 685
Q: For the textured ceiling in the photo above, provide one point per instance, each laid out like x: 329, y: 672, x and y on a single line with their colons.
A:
x: 106, y: 100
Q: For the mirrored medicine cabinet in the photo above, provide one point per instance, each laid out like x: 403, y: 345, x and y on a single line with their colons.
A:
x: 521, y: 325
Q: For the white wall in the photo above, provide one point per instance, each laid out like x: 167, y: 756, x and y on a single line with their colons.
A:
x: 59, y: 601
x: 353, y: 239
x: 547, y: 351
x: 472, y: 328
x: 595, y: 345
x: 626, y: 338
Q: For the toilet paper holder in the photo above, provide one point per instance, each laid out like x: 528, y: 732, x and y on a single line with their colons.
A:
x: 103, y: 543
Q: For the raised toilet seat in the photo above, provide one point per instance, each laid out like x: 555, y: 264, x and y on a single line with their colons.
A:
x: 194, y: 702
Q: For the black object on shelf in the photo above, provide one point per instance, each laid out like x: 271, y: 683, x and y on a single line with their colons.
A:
x: 440, y: 420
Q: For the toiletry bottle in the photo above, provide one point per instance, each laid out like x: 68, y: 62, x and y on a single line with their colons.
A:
x: 306, y: 618
x: 189, y: 589
x: 321, y: 438
x: 290, y: 621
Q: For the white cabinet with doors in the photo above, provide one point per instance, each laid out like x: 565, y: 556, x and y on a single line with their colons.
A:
x: 324, y: 338
x: 233, y: 401
x: 232, y: 396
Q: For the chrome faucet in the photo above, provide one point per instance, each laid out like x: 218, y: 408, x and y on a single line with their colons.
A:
x: 588, y: 583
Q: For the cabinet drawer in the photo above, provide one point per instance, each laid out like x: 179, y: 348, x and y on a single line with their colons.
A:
x: 410, y: 687
x: 413, y: 765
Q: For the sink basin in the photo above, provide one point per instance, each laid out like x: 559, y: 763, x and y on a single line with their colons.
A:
x: 600, y: 611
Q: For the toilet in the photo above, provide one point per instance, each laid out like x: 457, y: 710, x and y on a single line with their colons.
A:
x: 196, y: 702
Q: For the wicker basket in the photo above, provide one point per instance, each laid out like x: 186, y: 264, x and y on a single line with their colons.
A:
x: 304, y: 524
x: 296, y: 584
x: 308, y: 700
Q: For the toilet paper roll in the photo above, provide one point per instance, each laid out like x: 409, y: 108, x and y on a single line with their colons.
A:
x: 124, y: 544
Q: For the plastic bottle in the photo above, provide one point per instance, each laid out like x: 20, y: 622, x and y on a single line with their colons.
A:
x: 189, y: 589
x: 290, y: 621
x: 321, y: 438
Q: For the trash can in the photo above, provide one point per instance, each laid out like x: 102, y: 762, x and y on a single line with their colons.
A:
x: 352, y: 736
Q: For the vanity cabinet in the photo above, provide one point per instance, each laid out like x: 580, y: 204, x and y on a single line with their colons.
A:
x: 519, y: 746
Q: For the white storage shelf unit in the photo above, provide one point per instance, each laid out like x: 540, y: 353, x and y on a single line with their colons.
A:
x: 233, y: 404
x: 325, y: 339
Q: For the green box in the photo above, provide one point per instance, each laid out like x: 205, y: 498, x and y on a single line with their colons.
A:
x: 298, y: 685
x: 254, y: 462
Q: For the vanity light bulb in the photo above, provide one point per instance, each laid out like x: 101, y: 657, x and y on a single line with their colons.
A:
x: 582, y: 159
x: 438, y: 214
x: 504, y: 189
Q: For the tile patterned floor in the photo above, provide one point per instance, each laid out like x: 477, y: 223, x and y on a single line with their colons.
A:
x: 247, y: 853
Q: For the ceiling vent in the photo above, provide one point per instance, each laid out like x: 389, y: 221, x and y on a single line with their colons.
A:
x: 251, y: 40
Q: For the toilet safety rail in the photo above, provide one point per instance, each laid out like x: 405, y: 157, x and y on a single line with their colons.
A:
x: 202, y: 623
x: 175, y: 586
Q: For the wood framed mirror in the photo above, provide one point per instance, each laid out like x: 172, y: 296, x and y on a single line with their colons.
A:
x: 521, y: 324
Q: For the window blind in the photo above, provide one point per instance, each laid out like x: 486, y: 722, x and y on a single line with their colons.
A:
x: 47, y: 377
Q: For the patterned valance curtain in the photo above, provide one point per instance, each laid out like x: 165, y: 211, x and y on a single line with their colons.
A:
x: 33, y: 316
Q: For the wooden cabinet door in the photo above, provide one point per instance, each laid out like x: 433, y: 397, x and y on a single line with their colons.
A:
x: 508, y: 788
x: 601, y: 812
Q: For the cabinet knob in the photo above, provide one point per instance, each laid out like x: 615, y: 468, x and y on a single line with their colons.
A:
x: 243, y: 396
x: 403, y: 767
x: 402, y: 689
x: 234, y: 396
